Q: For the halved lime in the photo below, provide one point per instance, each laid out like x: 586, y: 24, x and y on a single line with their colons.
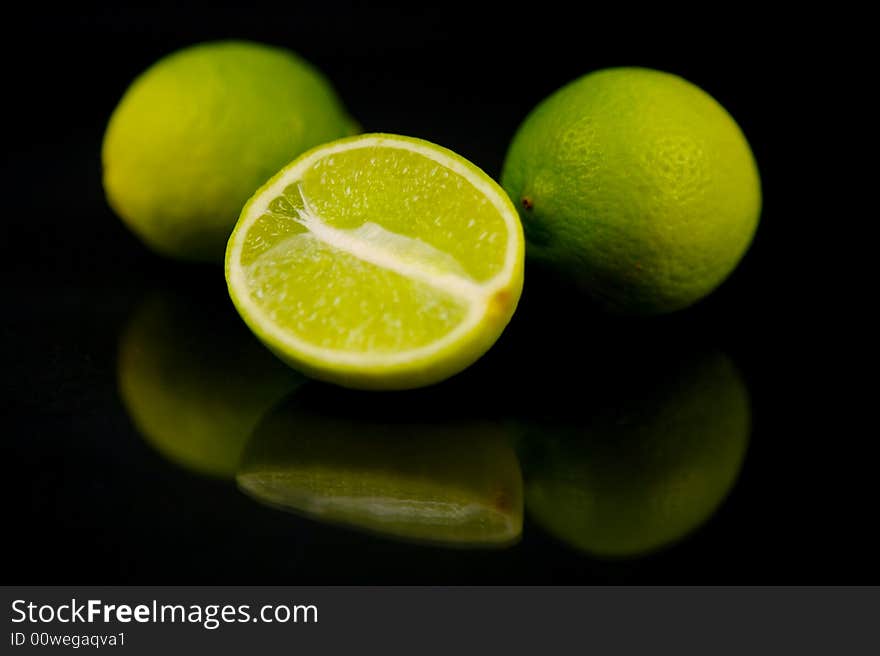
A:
x: 379, y: 261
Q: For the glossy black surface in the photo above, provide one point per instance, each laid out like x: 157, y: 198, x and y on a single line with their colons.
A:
x: 92, y: 500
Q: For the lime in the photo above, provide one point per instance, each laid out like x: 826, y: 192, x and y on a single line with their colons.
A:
x: 636, y: 185
x: 373, y: 466
x: 195, y: 382
x: 377, y: 261
x: 652, y: 461
x: 196, y: 133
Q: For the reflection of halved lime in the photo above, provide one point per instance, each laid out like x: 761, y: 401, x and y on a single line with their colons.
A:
x: 453, y: 482
x: 650, y: 465
x: 378, y: 262
x: 195, y: 382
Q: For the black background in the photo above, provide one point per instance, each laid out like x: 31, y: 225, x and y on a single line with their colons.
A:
x: 90, y: 502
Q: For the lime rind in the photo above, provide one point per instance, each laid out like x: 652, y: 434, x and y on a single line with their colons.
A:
x: 488, y: 304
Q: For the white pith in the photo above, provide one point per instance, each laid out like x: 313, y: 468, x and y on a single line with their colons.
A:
x: 476, y: 294
x: 351, y: 242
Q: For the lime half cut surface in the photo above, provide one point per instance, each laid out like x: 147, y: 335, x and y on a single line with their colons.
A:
x: 379, y: 262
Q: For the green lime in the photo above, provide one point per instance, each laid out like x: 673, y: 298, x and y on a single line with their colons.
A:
x: 377, y: 261
x: 195, y: 381
x: 648, y: 464
x: 636, y: 185
x: 196, y: 133
x: 380, y: 469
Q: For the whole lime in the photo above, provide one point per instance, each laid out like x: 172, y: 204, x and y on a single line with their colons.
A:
x: 637, y: 186
x: 199, y: 131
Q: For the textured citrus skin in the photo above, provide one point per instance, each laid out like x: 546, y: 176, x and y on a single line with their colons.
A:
x: 638, y: 186
x: 196, y: 133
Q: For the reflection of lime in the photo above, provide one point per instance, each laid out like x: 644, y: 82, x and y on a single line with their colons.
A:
x: 637, y: 185
x: 195, y: 382
x: 450, y: 482
x: 200, y: 130
x: 645, y: 470
x: 378, y: 261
